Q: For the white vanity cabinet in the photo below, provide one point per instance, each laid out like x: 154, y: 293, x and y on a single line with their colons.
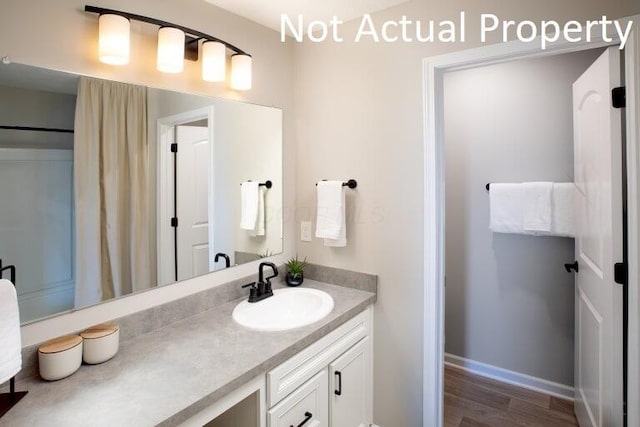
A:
x: 350, y: 387
x: 328, y: 384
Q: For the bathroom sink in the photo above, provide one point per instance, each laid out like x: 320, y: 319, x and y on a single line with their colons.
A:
x: 286, y: 309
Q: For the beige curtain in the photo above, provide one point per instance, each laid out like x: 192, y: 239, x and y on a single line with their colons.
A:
x: 111, y: 176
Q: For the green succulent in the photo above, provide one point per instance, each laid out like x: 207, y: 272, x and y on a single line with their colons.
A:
x: 296, y: 267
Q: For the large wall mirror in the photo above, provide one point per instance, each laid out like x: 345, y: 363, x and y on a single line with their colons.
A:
x: 108, y: 188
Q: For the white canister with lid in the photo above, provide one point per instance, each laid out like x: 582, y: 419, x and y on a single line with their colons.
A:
x: 101, y: 343
x: 60, y: 357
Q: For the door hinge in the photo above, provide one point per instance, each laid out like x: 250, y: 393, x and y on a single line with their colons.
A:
x: 174, y: 222
x: 174, y: 147
x: 620, y: 273
x: 619, y: 97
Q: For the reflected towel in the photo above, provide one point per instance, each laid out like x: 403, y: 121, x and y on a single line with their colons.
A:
x: 249, y: 196
x: 259, y: 227
x: 10, y: 355
x: 331, y: 224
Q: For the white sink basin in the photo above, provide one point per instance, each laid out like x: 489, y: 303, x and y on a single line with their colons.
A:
x: 286, y: 309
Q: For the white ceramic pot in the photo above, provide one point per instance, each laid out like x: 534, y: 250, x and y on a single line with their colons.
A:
x: 60, y: 357
x: 101, y: 343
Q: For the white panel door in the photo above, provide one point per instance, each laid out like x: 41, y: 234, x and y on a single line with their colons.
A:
x: 598, y: 299
x: 36, y: 228
x: 193, y: 176
x: 350, y: 387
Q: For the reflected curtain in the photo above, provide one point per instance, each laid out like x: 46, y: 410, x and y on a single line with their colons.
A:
x: 111, y: 179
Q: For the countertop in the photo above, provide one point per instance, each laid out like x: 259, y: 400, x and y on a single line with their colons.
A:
x: 168, y: 375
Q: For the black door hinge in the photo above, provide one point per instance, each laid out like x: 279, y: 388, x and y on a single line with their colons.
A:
x: 174, y: 222
x: 174, y: 147
x: 619, y: 97
x: 620, y: 273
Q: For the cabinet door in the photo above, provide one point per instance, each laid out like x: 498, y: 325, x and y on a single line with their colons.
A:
x: 350, y: 387
x: 308, y: 406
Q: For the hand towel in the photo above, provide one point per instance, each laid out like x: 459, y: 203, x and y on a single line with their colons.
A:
x: 331, y: 224
x: 536, y: 206
x: 249, y: 196
x: 562, y: 208
x: 259, y: 227
x: 505, y: 208
x: 11, y: 353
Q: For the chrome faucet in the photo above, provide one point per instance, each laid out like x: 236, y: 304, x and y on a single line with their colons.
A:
x: 262, y: 289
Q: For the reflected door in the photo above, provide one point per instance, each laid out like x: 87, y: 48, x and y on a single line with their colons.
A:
x: 192, y: 187
x: 598, y: 299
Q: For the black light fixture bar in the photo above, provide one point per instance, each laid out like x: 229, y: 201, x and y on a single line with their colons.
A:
x: 194, y: 35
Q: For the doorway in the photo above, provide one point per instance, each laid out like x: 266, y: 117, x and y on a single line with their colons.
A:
x: 434, y: 267
x: 185, y: 195
x: 509, y: 299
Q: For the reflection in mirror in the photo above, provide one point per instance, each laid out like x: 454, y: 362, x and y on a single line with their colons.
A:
x: 110, y: 188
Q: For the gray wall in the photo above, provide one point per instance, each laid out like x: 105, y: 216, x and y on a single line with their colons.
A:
x: 509, y: 302
x: 359, y: 113
x: 35, y: 108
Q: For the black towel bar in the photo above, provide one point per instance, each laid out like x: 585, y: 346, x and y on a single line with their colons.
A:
x: 352, y: 183
x: 267, y: 184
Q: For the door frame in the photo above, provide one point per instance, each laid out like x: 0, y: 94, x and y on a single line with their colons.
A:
x: 165, y: 137
x: 434, y: 69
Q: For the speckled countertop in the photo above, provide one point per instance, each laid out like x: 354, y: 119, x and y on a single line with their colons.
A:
x: 168, y: 375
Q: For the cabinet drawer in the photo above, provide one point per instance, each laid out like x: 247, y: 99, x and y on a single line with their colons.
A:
x: 288, y: 376
x: 308, y: 406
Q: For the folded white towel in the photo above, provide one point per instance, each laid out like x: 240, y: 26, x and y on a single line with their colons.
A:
x: 249, y: 196
x: 331, y: 224
x: 536, y: 206
x: 562, y: 207
x: 10, y: 355
x: 259, y: 227
x: 505, y: 208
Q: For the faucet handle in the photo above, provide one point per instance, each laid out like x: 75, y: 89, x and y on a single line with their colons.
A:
x: 253, y: 292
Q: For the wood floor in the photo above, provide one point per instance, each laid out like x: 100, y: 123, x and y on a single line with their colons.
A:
x: 475, y: 401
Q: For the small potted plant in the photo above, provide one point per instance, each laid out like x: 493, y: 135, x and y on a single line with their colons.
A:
x: 295, y: 271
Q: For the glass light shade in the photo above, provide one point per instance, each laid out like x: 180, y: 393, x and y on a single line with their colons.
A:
x: 170, y: 50
x: 214, y: 58
x: 113, y: 39
x: 241, y: 72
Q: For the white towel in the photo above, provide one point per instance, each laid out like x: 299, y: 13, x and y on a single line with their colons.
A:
x: 331, y: 225
x: 249, y: 196
x: 505, y: 208
x: 10, y: 345
x: 536, y: 206
x: 259, y: 227
x: 562, y: 207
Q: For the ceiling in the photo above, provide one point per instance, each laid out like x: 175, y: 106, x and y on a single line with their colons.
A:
x: 268, y: 12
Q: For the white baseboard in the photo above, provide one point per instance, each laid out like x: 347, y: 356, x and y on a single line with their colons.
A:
x: 510, y: 377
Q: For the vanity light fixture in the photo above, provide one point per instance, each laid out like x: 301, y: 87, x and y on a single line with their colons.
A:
x: 170, y: 50
x: 113, y: 39
x: 241, y: 72
x: 175, y: 43
x: 214, y: 61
